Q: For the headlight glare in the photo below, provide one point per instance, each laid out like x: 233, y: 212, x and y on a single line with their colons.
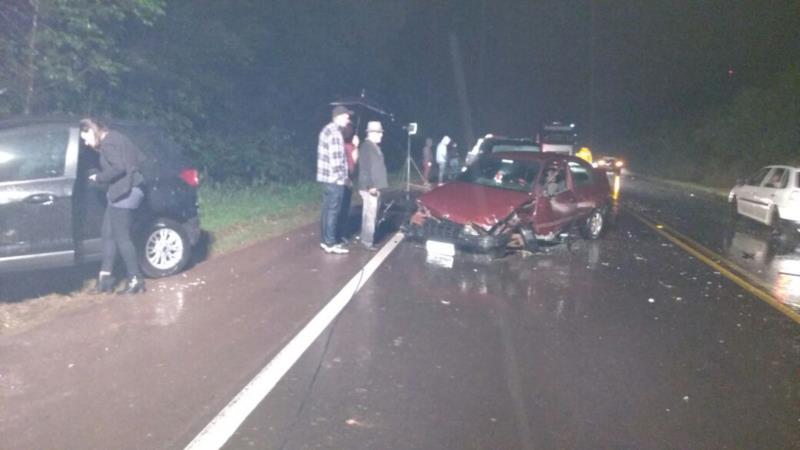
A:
x: 469, y: 230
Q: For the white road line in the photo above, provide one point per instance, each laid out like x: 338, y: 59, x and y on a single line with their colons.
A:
x: 222, y: 427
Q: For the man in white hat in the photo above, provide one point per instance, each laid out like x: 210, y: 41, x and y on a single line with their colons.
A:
x: 371, y: 179
x: 332, y: 173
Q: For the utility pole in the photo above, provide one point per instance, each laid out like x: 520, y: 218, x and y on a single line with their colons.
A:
x: 461, y: 90
x: 591, y: 73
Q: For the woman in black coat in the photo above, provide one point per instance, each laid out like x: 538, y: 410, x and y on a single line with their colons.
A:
x: 120, y: 162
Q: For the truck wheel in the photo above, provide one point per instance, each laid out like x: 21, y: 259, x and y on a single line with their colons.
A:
x: 594, y: 225
x: 166, y: 249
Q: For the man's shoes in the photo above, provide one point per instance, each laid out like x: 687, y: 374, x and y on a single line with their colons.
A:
x: 345, y: 241
x: 335, y: 249
x: 339, y: 250
x: 370, y: 247
x: 133, y: 286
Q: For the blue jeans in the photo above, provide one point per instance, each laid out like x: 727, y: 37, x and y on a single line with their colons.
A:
x: 332, y: 195
x: 342, y: 228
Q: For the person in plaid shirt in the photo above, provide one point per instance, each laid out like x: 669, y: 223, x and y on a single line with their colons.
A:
x: 332, y: 173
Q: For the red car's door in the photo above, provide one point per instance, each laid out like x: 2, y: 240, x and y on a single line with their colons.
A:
x: 585, y: 187
x: 557, y: 204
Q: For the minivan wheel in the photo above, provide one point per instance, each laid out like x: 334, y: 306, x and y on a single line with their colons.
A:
x: 166, y: 249
x: 594, y: 225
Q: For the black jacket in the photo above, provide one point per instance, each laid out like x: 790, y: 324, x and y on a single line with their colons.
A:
x: 371, y: 168
x: 120, y: 165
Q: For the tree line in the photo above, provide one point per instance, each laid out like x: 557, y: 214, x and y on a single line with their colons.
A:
x: 760, y: 125
x: 241, y: 86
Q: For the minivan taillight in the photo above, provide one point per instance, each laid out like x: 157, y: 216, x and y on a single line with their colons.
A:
x: 191, y: 177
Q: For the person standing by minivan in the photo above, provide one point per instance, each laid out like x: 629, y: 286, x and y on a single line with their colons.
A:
x: 120, y: 171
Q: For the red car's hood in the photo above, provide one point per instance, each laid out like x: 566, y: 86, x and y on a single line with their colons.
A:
x: 467, y: 202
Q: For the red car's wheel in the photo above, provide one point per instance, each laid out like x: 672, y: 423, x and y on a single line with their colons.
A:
x: 594, y: 225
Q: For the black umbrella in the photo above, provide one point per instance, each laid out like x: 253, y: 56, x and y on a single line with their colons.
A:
x: 362, y: 105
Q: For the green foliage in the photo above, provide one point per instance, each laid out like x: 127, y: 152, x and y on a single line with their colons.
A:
x: 258, y: 157
x: 759, y: 127
x: 56, y: 50
x: 223, y: 79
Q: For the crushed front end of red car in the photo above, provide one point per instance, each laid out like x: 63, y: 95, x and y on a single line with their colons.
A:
x: 474, y: 218
x: 512, y: 200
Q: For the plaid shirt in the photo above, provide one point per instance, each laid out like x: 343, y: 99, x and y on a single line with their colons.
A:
x: 331, y: 159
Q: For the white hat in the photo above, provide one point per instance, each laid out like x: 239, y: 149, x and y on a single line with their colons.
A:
x: 374, y: 127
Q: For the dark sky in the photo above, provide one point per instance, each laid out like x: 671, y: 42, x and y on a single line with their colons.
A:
x: 613, y: 67
x: 622, y: 63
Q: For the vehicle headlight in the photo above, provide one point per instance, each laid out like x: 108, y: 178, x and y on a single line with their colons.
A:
x: 469, y: 230
x: 619, y: 164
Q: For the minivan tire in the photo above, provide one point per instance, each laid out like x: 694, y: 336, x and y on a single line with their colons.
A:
x: 165, y: 249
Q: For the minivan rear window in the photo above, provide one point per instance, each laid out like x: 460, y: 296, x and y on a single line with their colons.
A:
x: 33, y: 153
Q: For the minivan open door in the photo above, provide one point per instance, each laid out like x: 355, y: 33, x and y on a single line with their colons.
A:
x: 38, y: 167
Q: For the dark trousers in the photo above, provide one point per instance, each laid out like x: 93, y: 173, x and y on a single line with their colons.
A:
x: 332, y: 195
x: 116, y: 234
x: 344, y: 216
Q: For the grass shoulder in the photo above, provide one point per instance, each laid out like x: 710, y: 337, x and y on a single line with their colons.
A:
x: 235, y: 216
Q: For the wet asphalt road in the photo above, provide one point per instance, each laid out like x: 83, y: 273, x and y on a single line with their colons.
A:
x: 625, y: 342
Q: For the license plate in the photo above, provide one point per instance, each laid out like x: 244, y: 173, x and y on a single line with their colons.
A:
x: 440, y: 248
x: 439, y: 260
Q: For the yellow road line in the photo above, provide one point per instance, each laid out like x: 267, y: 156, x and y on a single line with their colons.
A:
x: 716, y: 261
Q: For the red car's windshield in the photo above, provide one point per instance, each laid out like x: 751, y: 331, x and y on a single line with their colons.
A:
x: 502, y: 173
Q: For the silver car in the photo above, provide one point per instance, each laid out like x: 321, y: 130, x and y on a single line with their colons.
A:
x: 770, y: 196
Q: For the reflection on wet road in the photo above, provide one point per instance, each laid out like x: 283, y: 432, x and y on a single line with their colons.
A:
x: 625, y: 342
x: 757, y: 255
x: 770, y: 262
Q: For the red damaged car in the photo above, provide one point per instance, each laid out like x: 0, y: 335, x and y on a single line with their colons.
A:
x: 513, y: 199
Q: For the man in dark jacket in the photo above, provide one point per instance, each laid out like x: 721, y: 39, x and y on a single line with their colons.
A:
x: 120, y: 163
x: 371, y: 179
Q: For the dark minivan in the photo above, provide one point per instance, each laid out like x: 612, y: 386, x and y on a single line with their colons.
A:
x: 51, y: 217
